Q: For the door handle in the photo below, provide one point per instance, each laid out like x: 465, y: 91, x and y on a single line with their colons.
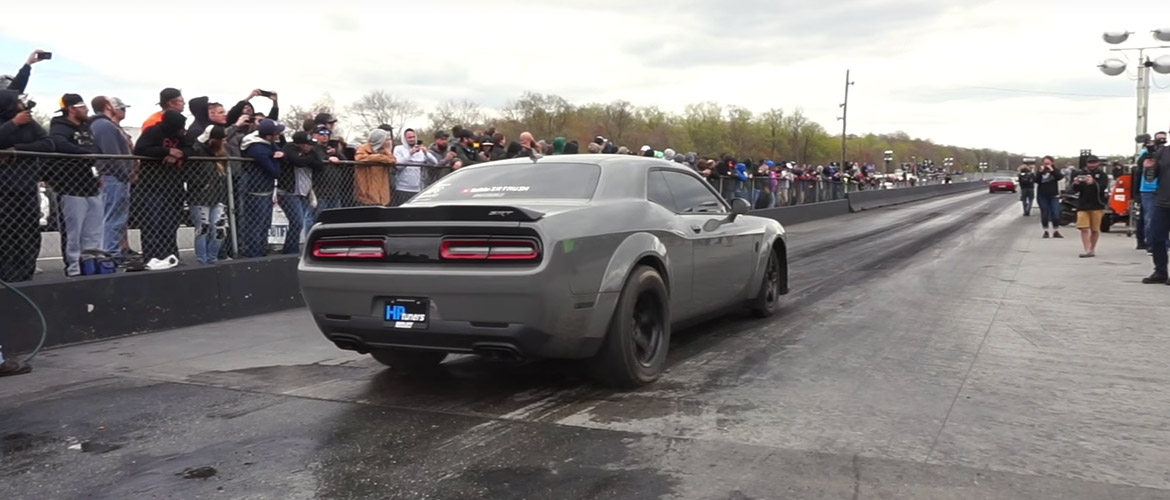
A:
x: 696, y: 228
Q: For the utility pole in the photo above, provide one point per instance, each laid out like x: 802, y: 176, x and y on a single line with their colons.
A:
x: 844, y: 118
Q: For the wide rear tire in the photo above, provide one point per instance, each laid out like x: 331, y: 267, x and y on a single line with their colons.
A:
x: 767, y: 301
x: 634, y: 351
x: 408, y: 360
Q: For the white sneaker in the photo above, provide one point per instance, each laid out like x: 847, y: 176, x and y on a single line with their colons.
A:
x: 167, y: 263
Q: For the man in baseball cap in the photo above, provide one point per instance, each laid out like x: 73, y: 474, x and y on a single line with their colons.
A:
x: 106, y: 125
x: 168, y: 98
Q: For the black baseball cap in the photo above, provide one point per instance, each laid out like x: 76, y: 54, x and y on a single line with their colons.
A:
x: 465, y: 134
x: 302, y: 138
x: 71, y: 101
x: 442, y: 134
x: 323, y: 118
x: 167, y: 94
x: 1092, y: 159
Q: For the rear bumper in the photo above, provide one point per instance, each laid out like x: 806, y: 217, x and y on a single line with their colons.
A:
x: 365, y: 334
x: 528, y: 311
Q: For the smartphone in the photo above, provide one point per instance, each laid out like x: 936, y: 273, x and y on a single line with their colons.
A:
x: 265, y: 93
x: 41, y: 56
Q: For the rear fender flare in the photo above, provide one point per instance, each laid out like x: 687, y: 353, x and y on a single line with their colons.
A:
x: 630, y: 251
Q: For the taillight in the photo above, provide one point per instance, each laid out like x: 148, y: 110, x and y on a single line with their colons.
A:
x: 489, y: 249
x: 349, y: 249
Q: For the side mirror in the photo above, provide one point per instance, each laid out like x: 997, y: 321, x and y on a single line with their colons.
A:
x: 740, y: 206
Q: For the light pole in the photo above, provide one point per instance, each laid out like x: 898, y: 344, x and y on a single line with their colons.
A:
x: 948, y: 162
x: 889, y: 158
x: 844, y: 117
x: 1115, y: 67
x: 982, y: 170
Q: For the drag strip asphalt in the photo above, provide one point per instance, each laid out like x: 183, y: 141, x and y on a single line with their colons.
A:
x: 874, y: 381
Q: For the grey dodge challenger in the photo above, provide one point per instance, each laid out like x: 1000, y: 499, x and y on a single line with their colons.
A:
x: 590, y: 257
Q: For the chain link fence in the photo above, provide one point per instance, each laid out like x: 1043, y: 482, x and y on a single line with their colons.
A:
x: 94, y: 214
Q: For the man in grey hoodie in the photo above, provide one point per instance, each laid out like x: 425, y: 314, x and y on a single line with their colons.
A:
x: 408, y: 179
x: 110, y: 139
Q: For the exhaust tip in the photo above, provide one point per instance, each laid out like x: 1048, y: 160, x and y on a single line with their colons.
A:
x: 350, y: 345
x: 498, y: 352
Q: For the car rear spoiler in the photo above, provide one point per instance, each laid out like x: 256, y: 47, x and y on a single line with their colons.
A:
x: 466, y: 213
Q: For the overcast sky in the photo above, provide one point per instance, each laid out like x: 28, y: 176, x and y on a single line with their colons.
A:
x: 997, y: 74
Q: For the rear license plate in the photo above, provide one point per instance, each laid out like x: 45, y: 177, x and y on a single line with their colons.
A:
x: 407, y: 313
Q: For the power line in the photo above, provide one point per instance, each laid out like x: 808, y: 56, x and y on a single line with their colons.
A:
x: 1047, y: 92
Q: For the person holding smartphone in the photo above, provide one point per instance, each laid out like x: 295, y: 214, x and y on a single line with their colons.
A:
x: 408, y: 176
x: 1048, y: 195
x: 19, y: 82
x: 1091, y: 186
x: 1027, y: 182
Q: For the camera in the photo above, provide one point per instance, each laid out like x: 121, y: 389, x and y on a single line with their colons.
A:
x: 29, y: 105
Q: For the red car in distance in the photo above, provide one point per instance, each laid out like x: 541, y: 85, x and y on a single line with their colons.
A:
x: 1001, y: 184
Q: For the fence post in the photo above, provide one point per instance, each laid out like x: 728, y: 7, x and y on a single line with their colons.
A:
x: 231, y: 199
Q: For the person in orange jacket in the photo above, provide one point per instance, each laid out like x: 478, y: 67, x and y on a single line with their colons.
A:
x: 168, y: 98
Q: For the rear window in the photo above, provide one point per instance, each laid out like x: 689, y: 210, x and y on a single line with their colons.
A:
x: 543, y: 180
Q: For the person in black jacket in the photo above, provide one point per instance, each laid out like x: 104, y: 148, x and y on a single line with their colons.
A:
x: 298, y: 167
x: 76, y: 182
x: 333, y: 184
x: 1157, y: 168
x: 1027, y: 182
x: 205, y: 173
x: 1092, y: 187
x: 20, y: 207
x: 1048, y: 195
x: 160, y: 185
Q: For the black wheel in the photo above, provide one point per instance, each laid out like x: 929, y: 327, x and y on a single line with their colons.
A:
x: 767, y: 301
x: 634, y: 351
x: 990, y: 191
x: 409, y: 361
x: 1106, y: 223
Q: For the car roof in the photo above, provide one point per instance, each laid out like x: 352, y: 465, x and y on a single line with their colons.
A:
x: 622, y: 176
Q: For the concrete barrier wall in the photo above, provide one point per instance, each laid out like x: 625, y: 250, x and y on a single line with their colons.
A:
x: 805, y: 213
x: 869, y: 200
x: 99, y: 307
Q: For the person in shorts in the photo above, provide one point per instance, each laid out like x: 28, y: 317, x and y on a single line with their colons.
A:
x: 1092, y: 188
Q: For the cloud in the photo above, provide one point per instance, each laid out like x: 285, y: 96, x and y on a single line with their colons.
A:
x: 982, y: 74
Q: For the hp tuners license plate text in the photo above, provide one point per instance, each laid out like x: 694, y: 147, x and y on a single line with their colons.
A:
x: 407, y: 313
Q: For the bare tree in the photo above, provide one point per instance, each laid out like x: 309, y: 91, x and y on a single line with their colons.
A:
x: 379, y: 108
x: 293, y: 117
x: 773, y: 122
x: 618, y: 118
x: 42, y: 117
x: 456, y: 112
x: 543, y: 115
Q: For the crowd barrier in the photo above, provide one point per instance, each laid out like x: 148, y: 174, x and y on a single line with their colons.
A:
x: 869, y: 200
x: 54, y: 207
x: 102, y: 307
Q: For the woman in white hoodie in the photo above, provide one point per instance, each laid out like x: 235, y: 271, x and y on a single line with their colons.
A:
x: 408, y: 179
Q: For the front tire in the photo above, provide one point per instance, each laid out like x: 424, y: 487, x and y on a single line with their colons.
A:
x: 408, y: 360
x: 767, y: 301
x: 634, y: 351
